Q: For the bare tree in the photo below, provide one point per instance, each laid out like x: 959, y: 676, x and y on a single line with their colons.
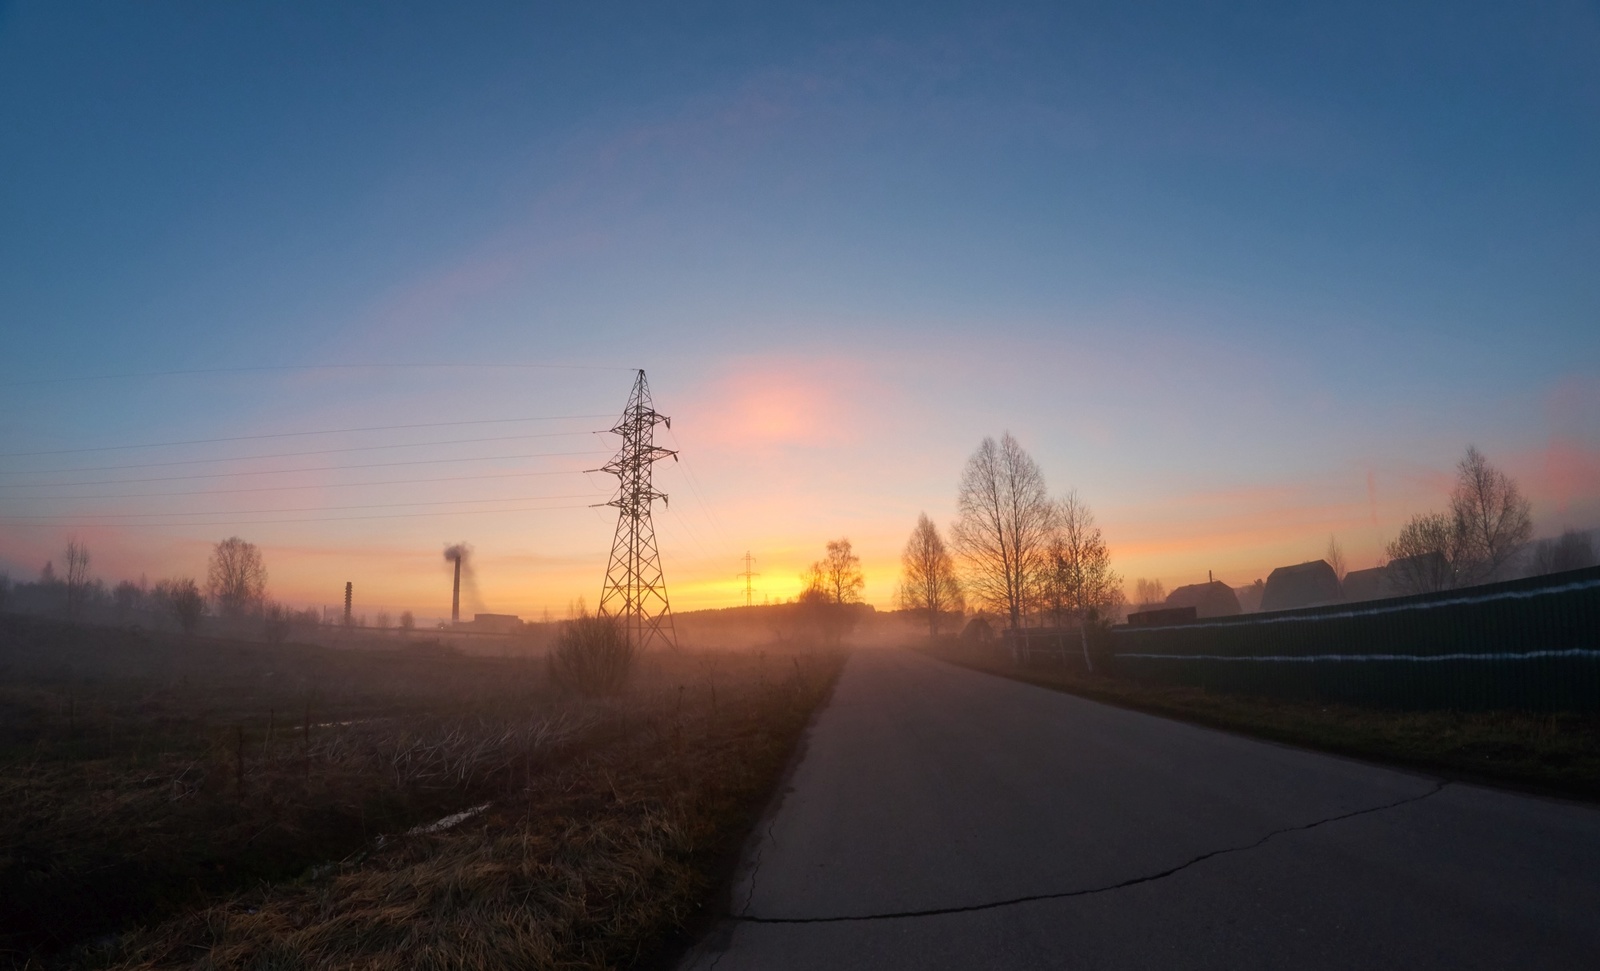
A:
x: 1424, y: 557
x: 1492, y: 520
x: 181, y: 598
x: 1003, y: 526
x: 1082, y: 584
x: 830, y: 584
x: 1150, y: 593
x: 1335, y: 558
x: 1573, y: 550
x: 237, y: 579
x: 928, y: 575
x: 77, y: 575
x: 838, y: 574
x: 408, y: 620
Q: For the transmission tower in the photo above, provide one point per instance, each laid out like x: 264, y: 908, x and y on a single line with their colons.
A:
x: 635, y: 591
x: 747, y: 576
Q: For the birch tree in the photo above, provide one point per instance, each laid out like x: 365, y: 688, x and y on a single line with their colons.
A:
x: 1083, y: 585
x: 1003, y: 525
x: 1492, y: 520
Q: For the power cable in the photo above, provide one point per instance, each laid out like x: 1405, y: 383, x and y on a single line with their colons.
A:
x: 289, y: 455
x: 324, y: 519
x: 287, y: 488
x: 308, y: 367
x: 309, y: 468
x: 689, y: 472
x: 267, y: 512
x: 325, y: 431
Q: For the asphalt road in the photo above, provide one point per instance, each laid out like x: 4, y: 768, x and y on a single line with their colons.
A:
x: 942, y: 818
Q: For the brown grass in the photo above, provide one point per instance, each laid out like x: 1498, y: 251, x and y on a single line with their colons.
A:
x: 607, y: 828
x: 1556, y: 754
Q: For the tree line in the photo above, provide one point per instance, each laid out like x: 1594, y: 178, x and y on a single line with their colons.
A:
x: 1013, y: 550
x: 234, y: 590
x: 1484, y: 536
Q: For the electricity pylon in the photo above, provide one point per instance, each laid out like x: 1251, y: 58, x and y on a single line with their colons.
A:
x: 635, y: 592
x: 747, y: 576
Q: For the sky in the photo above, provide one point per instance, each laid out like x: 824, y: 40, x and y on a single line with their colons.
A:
x: 1245, y: 279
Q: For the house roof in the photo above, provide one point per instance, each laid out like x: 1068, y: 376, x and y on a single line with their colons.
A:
x: 1302, y: 585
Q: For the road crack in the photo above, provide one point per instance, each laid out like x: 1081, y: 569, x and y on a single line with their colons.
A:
x: 1088, y: 891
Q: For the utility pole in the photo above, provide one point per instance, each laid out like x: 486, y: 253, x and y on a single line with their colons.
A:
x: 635, y: 590
x: 749, y: 563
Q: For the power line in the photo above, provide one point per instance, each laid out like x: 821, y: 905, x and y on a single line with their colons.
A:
x: 309, y: 468
x: 326, y: 431
x: 325, y: 519
x: 267, y: 512
x: 289, y: 455
x: 308, y: 367
x: 689, y: 472
x: 287, y: 488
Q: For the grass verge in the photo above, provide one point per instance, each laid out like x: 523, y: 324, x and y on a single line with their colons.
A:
x: 1552, y: 754
x: 155, y: 810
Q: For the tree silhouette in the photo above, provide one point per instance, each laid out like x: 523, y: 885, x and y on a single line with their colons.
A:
x: 1003, y: 525
x: 1491, y: 518
x: 928, y: 581
x: 236, y: 579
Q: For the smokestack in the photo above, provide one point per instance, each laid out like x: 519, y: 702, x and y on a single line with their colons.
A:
x: 454, y: 554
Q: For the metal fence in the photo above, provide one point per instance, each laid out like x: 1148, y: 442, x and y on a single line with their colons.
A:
x: 1532, y: 644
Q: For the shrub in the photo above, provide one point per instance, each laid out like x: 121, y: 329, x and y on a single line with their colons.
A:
x: 276, y: 622
x: 592, y: 656
x: 181, y: 598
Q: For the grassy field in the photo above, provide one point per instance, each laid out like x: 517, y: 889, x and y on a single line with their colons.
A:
x: 194, y: 802
x: 1556, y: 754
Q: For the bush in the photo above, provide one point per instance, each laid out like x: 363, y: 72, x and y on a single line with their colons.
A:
x: 276, y: 622
x: 592, y: 656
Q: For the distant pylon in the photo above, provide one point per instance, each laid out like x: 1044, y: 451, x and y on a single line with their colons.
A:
x: 749, y: 564
x: 635, y: 590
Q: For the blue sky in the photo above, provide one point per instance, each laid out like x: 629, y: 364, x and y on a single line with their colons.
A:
x: 1244, y: 278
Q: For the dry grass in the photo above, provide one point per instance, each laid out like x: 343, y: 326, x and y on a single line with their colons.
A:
x: 1558, y: 754
x: 606, y: 826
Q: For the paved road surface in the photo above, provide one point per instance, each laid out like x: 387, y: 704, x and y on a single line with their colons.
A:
x: 942, y: 818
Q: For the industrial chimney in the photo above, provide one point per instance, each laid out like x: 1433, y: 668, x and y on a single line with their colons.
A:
x: 454, y: 554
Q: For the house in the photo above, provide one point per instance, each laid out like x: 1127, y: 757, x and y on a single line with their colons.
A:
x: 1214, y: 599
x: 1302, y: 585
x: 1373, y: 584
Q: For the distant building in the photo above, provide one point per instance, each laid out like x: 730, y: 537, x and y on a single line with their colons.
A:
x: 494, y: 623
x: 1214, y: 599
x: 1302, y: 585
x: 1373, y: 584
